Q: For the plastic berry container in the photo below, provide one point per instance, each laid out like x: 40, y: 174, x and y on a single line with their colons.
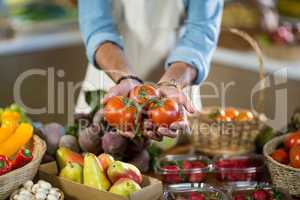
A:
x: 239, y: 168
x: 254, y: 190
x: 195, y: 191
x: 183, y: 168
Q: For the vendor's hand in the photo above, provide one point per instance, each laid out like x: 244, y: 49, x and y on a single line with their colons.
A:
x: 121, y: 89
x: 177, y: 95
x: 157, y: 133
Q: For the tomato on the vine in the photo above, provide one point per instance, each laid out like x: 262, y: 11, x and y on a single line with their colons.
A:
x: 280, y: 155
x: 164, y: 112
x: 232, y: 113
x: 295, y: 156
x: 120, y: 112
x: 223, y: 118
x: 143, y: 93
x: 292, y: 140
x: 244, y: 116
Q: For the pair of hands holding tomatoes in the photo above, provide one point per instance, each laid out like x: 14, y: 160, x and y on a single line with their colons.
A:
x: 162, y: 109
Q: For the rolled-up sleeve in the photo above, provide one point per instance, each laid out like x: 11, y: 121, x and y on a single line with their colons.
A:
x: 97, y: 26
x: 197, y: 44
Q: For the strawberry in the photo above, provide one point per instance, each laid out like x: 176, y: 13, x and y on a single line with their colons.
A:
x: 198, y: 164
x: 197, y: 177
x: 173, y: 176
x: 196, y: 196
x: 171, y: 168
x: 224, y: 164
x: 261, y: 194
x: 237, y: 164
x: 186, y: 165
x: 243, y: 163
x: 239, y: 197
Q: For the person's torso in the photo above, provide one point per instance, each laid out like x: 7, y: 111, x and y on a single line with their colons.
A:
x: 150, y: 30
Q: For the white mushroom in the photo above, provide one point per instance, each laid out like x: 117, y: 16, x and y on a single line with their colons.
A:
x: 41, y: 181
x: 22, y: 190
x: 42, y: 190
x: 52, y: 197
x: 57, y: 195
x: 25, y: 193
x: 24, y: 197
x: 35, y: 188
x: 16, y: 197
x: 44, y: 184
x: 55, y: 191
x: 40, y: 196
x: 28, y: 185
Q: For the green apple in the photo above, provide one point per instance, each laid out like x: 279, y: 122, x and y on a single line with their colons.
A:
x: 118, y: 169
x: 72, y: 172
x: 124, y: 187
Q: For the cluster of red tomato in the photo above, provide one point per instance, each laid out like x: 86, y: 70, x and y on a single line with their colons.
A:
x: 290, y: 153
x: 232, y: 114
x: 144, y: 101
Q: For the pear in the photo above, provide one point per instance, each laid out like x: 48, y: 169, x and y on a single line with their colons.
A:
x: 72, y: 172
x: 65, y: 155
x: 120, y: 169
x: 93, y: 174
x: 124, y: 187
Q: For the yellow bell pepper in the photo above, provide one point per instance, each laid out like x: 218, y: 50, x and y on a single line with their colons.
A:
x: 22, y: 135
x: 10, y: 122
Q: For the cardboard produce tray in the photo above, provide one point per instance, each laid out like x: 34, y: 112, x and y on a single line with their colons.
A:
x: 152, y: 188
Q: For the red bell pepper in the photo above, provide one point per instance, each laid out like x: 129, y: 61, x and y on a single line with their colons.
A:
x: 23, y: 157
x: 5, y: 165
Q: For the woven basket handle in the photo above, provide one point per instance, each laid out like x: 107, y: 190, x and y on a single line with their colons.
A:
x: 259, y: 56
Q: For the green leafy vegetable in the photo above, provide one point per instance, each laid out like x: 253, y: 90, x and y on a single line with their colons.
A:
x: 72, y: 130
x: 264, y: 40
x: 39, y: 11
x: 213, y: 115
x: 265, y: 135
x: 94, y: 98
x: 277, y: 195
x: 154, y: 153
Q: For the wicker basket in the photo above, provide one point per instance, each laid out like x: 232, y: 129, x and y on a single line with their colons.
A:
x: 224, y: 138
x: 12, y: 180
x: 229, y: 138
x: 283, y: 176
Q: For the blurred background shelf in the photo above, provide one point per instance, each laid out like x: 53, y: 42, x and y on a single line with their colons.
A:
x: 26, y: 44
x: 30, y: 43
x: 248, y: 61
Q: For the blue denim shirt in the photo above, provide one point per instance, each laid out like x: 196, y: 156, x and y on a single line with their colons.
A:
x: 195, y: 46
